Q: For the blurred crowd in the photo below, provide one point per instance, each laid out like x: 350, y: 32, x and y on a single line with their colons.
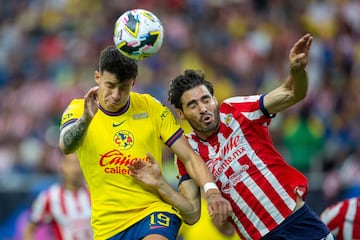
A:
x: 49, y: 50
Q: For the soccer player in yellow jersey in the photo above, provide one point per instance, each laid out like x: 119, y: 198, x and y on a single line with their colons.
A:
x: 109, y: 129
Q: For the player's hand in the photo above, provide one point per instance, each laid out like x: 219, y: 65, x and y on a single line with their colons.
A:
x: 91, y: 103
x: 299, y: 53
x: 226, y: 228
x: 219, y: 208
x: 148, y: 173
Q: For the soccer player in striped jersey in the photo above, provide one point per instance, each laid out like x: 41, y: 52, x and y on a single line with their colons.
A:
x: 64, y: 206
x: 109, y: 129
x: 343, y: 219
x: 267, y: 195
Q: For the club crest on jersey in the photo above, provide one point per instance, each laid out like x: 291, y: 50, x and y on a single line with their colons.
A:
x: 124, y: 139
x: 227, y: 119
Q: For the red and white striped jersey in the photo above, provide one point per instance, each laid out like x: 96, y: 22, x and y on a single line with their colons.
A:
x: 343, y: 219
x: 68, y: 212
x: 249, y: 171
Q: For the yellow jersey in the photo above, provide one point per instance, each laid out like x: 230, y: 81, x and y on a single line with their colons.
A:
x: 204, y: 228
x: 112, y: 141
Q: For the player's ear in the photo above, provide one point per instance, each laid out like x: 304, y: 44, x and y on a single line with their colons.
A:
x: 97, y: 77
x: 180, y: 114
x: 215, y: 100
x: 133, y: 82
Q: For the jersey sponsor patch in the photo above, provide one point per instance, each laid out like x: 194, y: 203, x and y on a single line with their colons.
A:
x: 140, y: 116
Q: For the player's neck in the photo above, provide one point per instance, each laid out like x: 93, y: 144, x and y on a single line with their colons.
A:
x: 71, y: 187
x: 205, y: 135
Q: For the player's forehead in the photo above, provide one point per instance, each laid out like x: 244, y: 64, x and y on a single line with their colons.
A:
x: 195, y: 93
x: 110, y: 78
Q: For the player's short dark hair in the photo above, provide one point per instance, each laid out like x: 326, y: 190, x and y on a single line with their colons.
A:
x: 184, y: 82
x: 113, y: 61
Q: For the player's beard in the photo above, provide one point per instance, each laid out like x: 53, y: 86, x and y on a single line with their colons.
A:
x: 206, y: 129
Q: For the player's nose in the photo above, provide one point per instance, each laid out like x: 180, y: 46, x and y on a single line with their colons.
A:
x: 202, y: 107
x: 116, y: 94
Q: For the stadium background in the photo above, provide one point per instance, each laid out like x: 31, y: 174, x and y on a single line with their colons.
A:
x: 49, y: 51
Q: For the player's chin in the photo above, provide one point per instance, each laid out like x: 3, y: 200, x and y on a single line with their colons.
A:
x: 209, y: 126
x: 113, y: 107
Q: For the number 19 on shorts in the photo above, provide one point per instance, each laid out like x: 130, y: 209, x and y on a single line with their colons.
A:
x: 159, y: 219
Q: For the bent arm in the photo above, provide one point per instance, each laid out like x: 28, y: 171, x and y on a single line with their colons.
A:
x: 218, y: 207
x: 194, y: 164
x: 72, y: 136
x: 294, y: 89
x: 187, y: 200
x: 289, y: 93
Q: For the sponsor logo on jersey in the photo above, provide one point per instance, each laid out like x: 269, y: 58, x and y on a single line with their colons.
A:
x: 234, y: 179
x: 124, y: 139
x: 140, y: 116
x: 116, y: 162
x: 66, y: 116
x: 231, y: 144
x: 118, y: 124
x: 165, y: 113
x: 229, y: 153
x: 154, y: 227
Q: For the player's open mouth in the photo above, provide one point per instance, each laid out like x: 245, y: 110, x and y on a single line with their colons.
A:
x: 206, y: 119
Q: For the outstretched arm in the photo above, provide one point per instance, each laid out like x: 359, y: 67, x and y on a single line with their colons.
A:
x: 187, y: 200
x: 72, y: 136
x: 294, y: 89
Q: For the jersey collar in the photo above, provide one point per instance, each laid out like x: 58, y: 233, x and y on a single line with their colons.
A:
x: 118, y: 112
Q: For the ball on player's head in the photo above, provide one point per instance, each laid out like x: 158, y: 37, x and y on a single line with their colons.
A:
x: 138, y: 34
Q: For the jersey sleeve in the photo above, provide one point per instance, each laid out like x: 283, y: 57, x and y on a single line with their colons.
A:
x: 182, y: 174
x: 333, y: 216
x: 252, y: 107
x: 40, y: 209
x: 73, y: 112
x: 170, y: 130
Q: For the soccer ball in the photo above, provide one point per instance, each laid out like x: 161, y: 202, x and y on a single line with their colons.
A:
x: 138, y: 34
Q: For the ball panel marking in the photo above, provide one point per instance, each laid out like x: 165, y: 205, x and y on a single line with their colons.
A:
x: 138, y: 34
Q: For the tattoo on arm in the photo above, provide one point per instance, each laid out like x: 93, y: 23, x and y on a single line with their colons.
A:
x: 73, y: 135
